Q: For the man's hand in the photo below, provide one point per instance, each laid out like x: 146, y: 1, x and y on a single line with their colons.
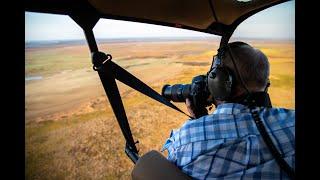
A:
x: 190, y: 108
x: 195, y: 112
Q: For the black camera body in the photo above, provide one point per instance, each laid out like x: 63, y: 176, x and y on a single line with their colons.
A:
x: 197, y: 92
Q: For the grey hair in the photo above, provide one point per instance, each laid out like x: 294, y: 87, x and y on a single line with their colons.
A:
x: 253, y: 65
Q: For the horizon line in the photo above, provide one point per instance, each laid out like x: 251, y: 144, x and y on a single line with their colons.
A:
x: 162, y: 37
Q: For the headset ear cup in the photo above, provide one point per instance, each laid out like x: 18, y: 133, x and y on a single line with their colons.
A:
x: 220, y: 83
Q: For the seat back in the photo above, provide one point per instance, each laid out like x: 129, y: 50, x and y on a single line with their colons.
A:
x: 153, y: 165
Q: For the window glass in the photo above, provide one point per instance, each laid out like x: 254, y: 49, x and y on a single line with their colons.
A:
x: 71, y: 131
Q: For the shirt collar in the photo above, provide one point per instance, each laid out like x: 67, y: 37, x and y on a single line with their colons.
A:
x: 231, y: 108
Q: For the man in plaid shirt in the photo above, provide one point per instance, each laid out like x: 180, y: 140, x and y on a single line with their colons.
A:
x: 227, y: 143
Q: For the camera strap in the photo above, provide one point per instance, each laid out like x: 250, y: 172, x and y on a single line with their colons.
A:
x: 130, y: 80
x: 108, y: 72
x: 266, y: 138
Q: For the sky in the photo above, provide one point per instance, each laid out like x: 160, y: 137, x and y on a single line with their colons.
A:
x: 277, y: 22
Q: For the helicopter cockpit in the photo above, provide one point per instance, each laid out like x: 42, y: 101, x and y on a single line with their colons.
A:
x: 213, y: 17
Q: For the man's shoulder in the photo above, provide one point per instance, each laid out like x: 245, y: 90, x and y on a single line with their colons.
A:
x: 278, y: 118
x: 226, y: 125
x: 274, y: 116
x: 279, y: 113
x: 281, y: 109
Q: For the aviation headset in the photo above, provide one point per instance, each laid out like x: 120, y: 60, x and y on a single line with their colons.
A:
x: 221, y: 79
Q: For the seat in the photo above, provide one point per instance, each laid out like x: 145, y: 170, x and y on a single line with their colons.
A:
x: 153, y: 165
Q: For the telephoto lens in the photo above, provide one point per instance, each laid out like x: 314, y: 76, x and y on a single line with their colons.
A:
x: 177, y: 92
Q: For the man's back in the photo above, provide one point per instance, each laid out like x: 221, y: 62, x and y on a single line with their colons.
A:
x: 227, y: 144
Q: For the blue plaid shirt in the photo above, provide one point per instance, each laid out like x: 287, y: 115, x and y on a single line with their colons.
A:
x: 228, y: 145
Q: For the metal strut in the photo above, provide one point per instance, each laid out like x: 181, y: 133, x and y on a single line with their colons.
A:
x: 109, y: 71
x: 226, y: 37
x: 102, y: 64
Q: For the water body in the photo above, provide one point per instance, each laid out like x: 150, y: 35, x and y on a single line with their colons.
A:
x: 31, y: 78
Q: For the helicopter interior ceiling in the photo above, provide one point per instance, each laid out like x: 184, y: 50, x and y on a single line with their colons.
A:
x: 200, y: 15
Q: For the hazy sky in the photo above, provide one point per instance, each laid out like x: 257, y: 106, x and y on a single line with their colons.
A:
x: 277, y: 22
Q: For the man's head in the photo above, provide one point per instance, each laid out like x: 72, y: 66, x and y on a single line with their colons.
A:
x: 252, y: 65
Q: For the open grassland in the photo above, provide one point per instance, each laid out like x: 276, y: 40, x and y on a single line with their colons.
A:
x: 71, y: 132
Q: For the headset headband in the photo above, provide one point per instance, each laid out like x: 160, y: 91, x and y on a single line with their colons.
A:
x: 237, y: 71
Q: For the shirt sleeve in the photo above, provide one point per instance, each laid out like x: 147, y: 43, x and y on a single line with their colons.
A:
x: 169, y: 146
